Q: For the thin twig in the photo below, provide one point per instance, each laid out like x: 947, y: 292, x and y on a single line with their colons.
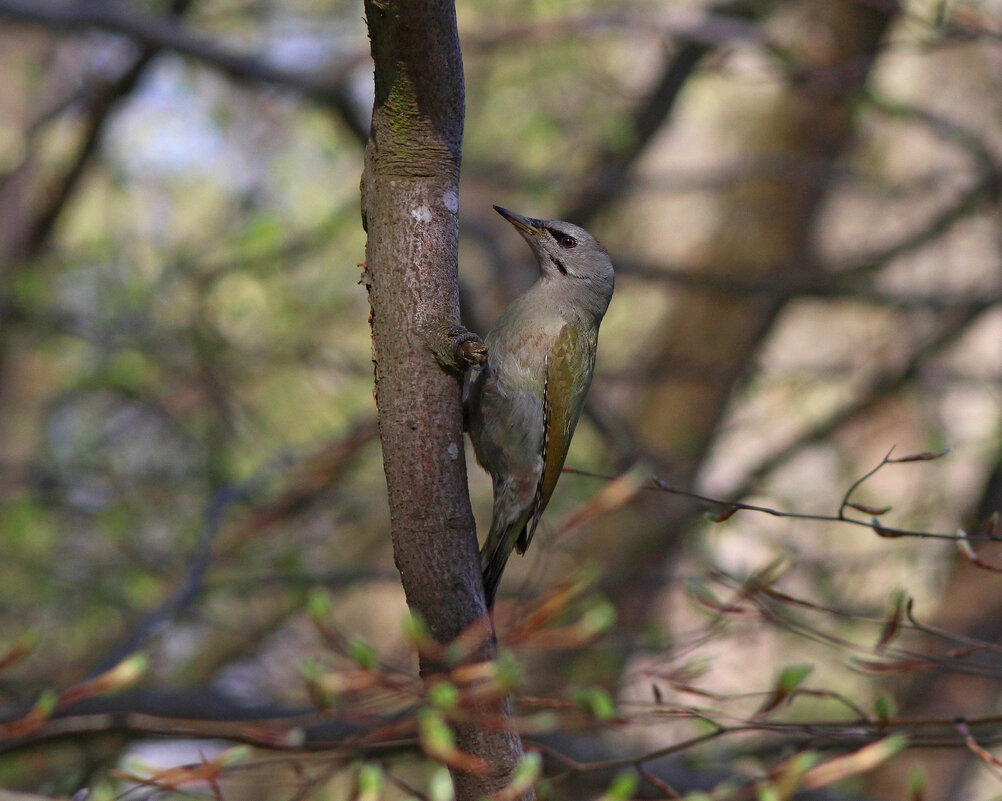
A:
x: 729, y: 508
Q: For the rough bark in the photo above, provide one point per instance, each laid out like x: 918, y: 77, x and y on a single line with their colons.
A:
x: 409, y: 208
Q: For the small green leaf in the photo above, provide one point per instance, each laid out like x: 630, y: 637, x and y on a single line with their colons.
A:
x: 509, y: 673
x: 370, y: 780
x: 884, y: 707
x: 623, y: 786
x: 319, y: 604
x: 542, y: 722
x: 435, y: 732
x: 529, y: 768
x: 792, y: 677
x: 788, y: 681
x: 126, y: 673
x: 416, y: 630
x: 443, y: 695
x: 699, y: 592
x: 363, y: 654
x: 767, y: 792
x: 46, y: 703
x: 596, y: 702
x: 237, y: 755
x: 599, y: 618
x: 440, y: 787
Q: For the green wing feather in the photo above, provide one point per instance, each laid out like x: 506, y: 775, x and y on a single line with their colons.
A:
x: 569, y: 369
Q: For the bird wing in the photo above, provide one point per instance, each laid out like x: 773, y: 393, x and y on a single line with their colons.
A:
x: 569, y: 368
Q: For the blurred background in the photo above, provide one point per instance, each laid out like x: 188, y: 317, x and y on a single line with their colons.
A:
x: 801, y: 199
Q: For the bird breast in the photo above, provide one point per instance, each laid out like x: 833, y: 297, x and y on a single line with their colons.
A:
x: 519, y: 363
x: 520, y: 342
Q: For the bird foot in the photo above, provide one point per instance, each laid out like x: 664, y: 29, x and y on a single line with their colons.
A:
x: 468, y: 347
x: 455, y: 348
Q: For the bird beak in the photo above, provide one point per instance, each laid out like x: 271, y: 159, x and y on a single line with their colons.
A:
x: 526, y: 225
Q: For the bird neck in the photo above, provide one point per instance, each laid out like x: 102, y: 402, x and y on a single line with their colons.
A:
x: 579, y: 301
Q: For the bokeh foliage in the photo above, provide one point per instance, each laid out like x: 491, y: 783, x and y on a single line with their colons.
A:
x: 185, y: 376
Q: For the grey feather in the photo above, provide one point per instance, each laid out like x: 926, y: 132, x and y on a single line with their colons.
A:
x: 509, y: 404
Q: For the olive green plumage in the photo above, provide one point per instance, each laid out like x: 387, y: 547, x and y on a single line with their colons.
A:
x: 522, y: 408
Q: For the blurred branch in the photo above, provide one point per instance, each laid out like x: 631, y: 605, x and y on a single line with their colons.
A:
x: 824, y: 286
x: 189, y: 587
x: 190, y: 713
x: 955, y: 22
x: 165, y: 33
x: 837, y: 280
x: 309, y: 478
x: 943, y: 128
x: 885, y: 383
x: 99, y: 102
x: 607, y: 175
x: 329, y: 86
x: 716, y: 25
x: 367, y: 689
x: 727, y: 508
x: 330, y: 579
x: 200, y: 714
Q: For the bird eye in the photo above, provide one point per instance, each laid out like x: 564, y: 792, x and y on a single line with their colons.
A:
x: 568, y: 241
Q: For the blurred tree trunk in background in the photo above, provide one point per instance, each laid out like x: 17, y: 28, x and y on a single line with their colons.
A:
x: 764, y: 230
x: 410, y: 200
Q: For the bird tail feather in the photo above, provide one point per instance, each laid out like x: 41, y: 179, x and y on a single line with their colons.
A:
x: 494, y: 557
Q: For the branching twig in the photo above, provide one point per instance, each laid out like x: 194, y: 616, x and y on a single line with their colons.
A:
x: 165, y: 33
x: 729, y: 508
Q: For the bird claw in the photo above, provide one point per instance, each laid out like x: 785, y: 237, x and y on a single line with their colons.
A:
x: 456, y: 349
x: 468, y: 347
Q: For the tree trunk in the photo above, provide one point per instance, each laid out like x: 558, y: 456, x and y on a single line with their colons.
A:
x: 410, y: 195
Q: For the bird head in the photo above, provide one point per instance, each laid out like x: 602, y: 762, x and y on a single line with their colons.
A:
x: 566, y: 252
